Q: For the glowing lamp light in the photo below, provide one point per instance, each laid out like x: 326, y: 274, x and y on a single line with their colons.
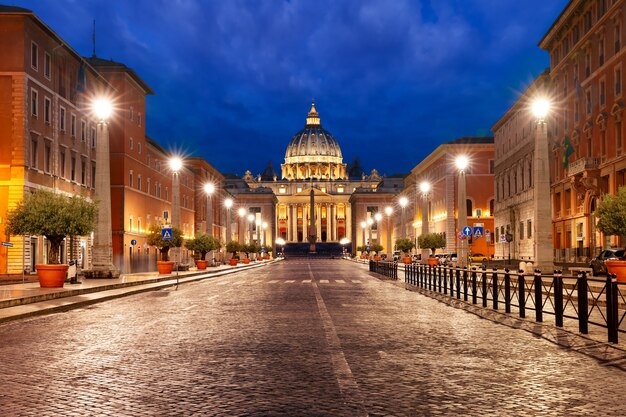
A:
x: 388, y: 211
x: 540, y: 108
x: 378, y: 217
x: 250, y: 217
x: 425, y: 187
x: 176, y: 164
x: 363, y: 225
x: 209, y: 188
x: 462, y: 162
x: 344, y: 241
x: 228, y: 203
x: 103, y: 108
x: 280, y: 241
x: 370, y: 221
x: 242, y: 212
x: 403, y: 202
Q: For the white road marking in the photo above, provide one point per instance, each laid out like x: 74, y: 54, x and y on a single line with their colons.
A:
x: 340, y: 281
x: 290, y: 281
x: 324, y: 281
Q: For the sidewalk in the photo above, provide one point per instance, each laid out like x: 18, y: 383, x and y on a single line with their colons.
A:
x: 20, y: 300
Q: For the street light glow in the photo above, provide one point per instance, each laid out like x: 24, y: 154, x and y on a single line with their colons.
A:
x: 425, y: 186
x: 228, y: 203
x: 344, y: 241
x: 370, y: 221
x: 250, y: 217
x: 540, y: 108
x: 280, y: 241
x: 176, y: 164
x: 462, y: 162
x: 103, y: 108
x: 363, y: 225
x: 403, y: 202
x: 209, y: 188
x: 378, y: 217
x: 241, y: 212
x: 388, y: 210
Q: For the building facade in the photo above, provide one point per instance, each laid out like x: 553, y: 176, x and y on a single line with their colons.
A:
x: 587, y: 64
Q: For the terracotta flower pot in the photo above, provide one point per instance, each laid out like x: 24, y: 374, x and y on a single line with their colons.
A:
x: 618, y: 268
x: 200, y: 264
x: 377, y: 258
x: 246, y: 261
x: 407, y: 260
x: 165, y: 267
x: 433, y: 261
x: 233, y: 262
x: 51, y: 276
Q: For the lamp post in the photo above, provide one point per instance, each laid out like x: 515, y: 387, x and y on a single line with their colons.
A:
x: 102, y: 258
x: 461, y: 164
x: 240, y: 227
x: 280, y: 241
x: 388, y: 212
x: 228, y: 203
x: 263, y: 228
x: 363, y: 227
x: 403, y: 203
x: 370, y: 222
x: 425, y: 189
x: 209, y: 189
x: 176, y: 164
x: 541, y: 177
x: 343, y: 242
x: 251, y: 221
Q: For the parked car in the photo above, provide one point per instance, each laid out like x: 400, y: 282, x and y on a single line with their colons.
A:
x: 448, y: 258
x: 477, y: 257
x: 597, y: 264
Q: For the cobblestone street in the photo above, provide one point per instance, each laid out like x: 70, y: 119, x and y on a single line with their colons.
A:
x: 296, y: 338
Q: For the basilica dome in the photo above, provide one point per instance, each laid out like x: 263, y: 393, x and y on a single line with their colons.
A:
x: 313, y: 152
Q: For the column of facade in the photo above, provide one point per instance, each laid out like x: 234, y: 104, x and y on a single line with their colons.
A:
x: 294, y: 223
x: 333, y: 222
x: 348, y: 224
x: 318, y: 221
x: 328, y: 221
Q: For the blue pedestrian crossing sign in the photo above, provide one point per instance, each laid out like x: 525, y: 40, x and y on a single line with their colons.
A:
x: 479, y: 230
x: 166, y: 233
x: 467, y: 231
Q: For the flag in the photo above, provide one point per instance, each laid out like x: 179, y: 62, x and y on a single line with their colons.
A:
x: 568, y: 149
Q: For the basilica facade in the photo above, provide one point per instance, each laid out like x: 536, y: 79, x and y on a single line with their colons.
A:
x: 313, y: 164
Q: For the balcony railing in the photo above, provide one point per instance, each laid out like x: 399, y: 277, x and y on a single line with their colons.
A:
x: 583, y: 164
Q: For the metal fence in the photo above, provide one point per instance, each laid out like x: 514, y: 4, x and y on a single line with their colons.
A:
x: 590, y: 301
x: 386, y: 268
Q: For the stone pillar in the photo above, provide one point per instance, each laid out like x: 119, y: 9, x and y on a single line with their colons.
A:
x: 542, y: 207
x: 103, y: 242
x: 348, y: 223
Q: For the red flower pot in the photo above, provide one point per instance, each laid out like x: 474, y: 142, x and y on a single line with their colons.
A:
x: 618, y: 268
x: 407, y: 260
x: 233, y: 262
x: 433, y: 261
x: 200, y: 264
x: 246, y: 261
x: 165, y: 267
x: 51, y: 276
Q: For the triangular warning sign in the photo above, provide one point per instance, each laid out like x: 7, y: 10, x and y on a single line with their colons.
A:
x: 167, y: 235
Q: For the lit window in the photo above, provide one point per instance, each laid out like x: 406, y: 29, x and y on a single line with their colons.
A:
x: 282, y: 190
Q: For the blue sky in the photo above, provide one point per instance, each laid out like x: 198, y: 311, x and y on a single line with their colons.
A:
x: 392, y: 79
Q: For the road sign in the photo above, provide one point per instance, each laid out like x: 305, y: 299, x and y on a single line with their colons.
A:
x: 502, y: 238
x: 166, y: 233
x: 467, y: 231
x: 479, y: 230
x: 488, y: 235
x: 133, y: 242
x: 7, y: 244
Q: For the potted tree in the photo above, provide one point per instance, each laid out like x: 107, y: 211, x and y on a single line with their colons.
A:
x: 248, y: 249
x: 405, y: 244
x: 268, y: 253
x: 233, y: 247
x: 376, y: 247
x: 164, y: 266
x: 54, y: 216
x: 202, y: 244
x: 432, y: 241
x: 611, y: 214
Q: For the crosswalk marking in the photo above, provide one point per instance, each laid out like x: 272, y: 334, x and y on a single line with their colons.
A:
x: 223, y: 283
x: 324, y: 281
x: 306, y: 281
x: 340, y: 281
x: 290, y: 281
x: 356, y: 281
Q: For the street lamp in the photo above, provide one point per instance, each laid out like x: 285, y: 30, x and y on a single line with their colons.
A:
x: 425, y: 189
x: 280, y: 241
x: 228, y: 203
x: 343, y: 242
x: 541, y: 178
x: 370, y: 222
x: 251, y: 221
x: 102, y: 256
x: 264, y: 228
x: 403, y: 203
x: 240, y: 229
x: 388, y: 212
x: 461, y: 163
x: 176, y: 164
x: 209, y: 189
x: 363, y: 227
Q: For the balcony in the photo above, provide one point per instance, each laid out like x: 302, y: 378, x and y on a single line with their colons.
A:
x: 581, y: 165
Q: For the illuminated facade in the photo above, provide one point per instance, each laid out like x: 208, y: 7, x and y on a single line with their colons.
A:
x: 587, y: 64
x: 440, y: 171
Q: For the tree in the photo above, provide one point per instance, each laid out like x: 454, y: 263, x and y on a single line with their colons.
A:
x: 376, y: 247
x: 54, y: 216
x: 233, y: 247
x: 432, y: 241
x: 155, y: 239
x: 405, y: 244
x: 611, y: 214
x: 203, y: 243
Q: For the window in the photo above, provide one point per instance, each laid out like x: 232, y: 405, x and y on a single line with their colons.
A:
x: 139, y: 147
x: 618, y: 80
x: 62, y: 119
x: 529, y: 229
x: 93, y: 174
x: 492, y: 166
x: 83, y: 171
x: 130, y: 224
x: 130, y: 143
x: 575, y: 35
x: 34, y: 56
x: 587, y: 63
x: 47, y: 104
x: 47, y: 156
x: 469, y: 207
x: 139, y: 119
x: 521, y: 230
x: 62, y: 162
x: 46, y: 65
x: 588, y: 101
x: 491, y: 207
x: 73, y: 125
x: 73, y: 168
x: 565, y: 46
x: 600, y: 9
x: 618, y: 135
x: 139, y: 182
x: 602, y: 92
x: 167, y: 194
x: 33, y: 150
x: 93, y: 137
x: 564, y: 85
x: 601, y: 51
x: 130, y: 178
x: 617, y: 36
x: 33, y: 102
x: 83, y: 130
x: 587, y: 20
x: 148, y: 185
x: 130, y: 113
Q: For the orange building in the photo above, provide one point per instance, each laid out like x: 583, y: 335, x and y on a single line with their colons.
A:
x: 439, y: 170
x: 47, y: 131
x: 587, y: 64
